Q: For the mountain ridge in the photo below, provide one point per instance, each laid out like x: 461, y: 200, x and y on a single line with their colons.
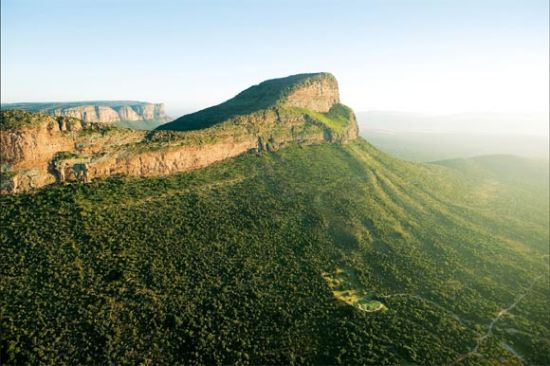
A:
x: 106, y: 111
x: 315, y: 91
x: 42, y: 149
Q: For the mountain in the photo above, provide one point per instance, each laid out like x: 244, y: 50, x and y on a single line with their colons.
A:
x: 40, y: 149
x: 316, y: 92
x: 130, y: 114
x: 319, y: 254
x: 297, y: 242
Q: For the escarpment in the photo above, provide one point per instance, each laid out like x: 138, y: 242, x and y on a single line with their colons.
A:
x: 39, y: 149
x: 98, y: 111
x: 314, y: 92
x: 318, y: 93
x: 31, y: 144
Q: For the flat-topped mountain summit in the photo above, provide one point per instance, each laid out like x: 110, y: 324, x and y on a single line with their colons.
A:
x: 317, y: 92
x: 39, y: 149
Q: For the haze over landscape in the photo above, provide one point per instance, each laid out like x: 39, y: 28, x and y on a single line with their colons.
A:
x: 312, y: 182
x: 443, y: 57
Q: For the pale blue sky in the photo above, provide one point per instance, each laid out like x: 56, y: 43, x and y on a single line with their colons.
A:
x: 404, y: 55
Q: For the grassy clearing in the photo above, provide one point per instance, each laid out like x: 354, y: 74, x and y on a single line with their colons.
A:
x: 337, y: 119
x: 346, y: 289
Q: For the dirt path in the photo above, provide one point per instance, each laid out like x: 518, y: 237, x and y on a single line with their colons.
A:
x: 489, y: 332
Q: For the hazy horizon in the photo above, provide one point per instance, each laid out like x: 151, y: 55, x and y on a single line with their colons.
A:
x: 426, y: 57
x: 393, y: 212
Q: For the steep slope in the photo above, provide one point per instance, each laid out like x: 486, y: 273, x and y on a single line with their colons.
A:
x: 325, y: 254
x: 35, y: 148
x: 123, y: 113
x: 316, y: 92
x: 308, y: 113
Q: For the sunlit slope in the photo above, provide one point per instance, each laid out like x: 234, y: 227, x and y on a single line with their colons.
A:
x: 311, y: 95
x: 323, y: 254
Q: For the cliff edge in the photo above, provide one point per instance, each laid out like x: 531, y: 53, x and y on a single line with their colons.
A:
x: 99, y: 111
x: 317, y: 92
x: 38, y: 149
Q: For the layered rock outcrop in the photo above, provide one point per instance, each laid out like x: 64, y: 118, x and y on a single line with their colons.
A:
x: 38, y: 149
x: 318, y: 93
x: 106, y: 112
x: 29, y: 151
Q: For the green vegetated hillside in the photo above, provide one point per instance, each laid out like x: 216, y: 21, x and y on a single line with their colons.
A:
x: 327, y: 254
x: 139, y: 125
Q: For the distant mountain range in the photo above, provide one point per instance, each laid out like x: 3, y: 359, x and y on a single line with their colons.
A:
x: 121, y: 113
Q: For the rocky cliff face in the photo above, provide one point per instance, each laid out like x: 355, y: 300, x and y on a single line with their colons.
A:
x: 38, y: 149
x: 106, y: 112
x: 318, y: 93
x: 30, y: 150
